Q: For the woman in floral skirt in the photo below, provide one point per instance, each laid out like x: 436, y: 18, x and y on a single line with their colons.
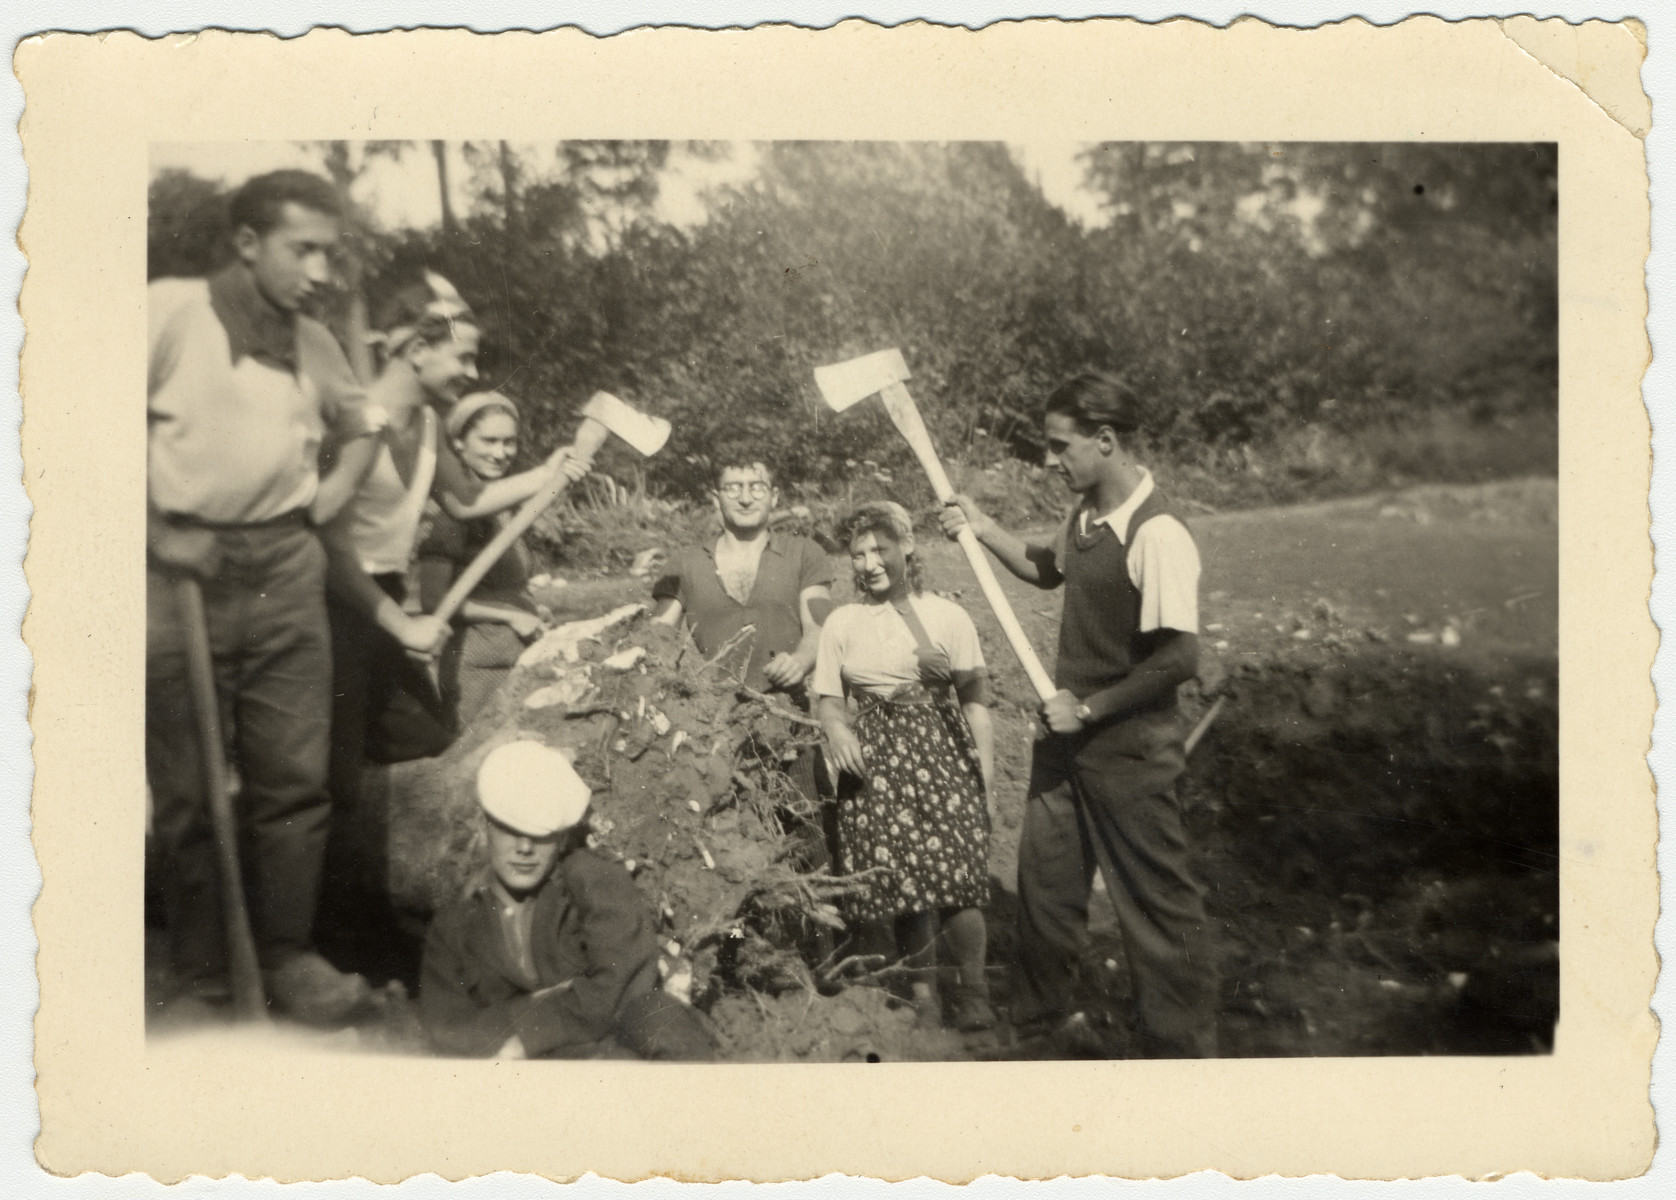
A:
x: 913, y: 819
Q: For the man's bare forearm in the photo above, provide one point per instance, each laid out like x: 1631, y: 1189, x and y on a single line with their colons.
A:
x: 349, y: 582
x: 1152, y: 681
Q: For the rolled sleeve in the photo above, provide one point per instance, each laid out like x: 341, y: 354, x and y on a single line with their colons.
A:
x: 965, y: 652
x: 1164, y: 566
x: 814, y: 569
x: 672, y: 585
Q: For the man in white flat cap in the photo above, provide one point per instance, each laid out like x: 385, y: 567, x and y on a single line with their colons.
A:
x: 554, y: 953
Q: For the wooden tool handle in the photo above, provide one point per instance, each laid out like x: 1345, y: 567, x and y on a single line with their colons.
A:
x: 1039, y: 678
x: 589, y: 438
x: 246, y: 972
x: 904, y: 414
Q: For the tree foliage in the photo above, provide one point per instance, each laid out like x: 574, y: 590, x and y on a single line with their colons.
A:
x: 1248, y: 290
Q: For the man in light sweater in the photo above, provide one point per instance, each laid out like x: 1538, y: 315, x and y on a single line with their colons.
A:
x: 243, y: 390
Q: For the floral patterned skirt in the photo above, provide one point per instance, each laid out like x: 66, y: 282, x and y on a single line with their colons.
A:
x: 920, y: 818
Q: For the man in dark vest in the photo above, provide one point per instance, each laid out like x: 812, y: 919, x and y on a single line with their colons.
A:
x: 1102, y: 791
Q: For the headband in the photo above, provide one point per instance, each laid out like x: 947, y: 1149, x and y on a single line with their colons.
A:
x: 446, y: 304
x: 461, y: 414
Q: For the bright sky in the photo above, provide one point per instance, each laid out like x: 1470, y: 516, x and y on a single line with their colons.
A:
x: 402, y: 193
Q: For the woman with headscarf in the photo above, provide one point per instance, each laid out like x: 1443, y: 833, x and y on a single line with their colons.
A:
x: 499, y: 617
x: 913, y: 817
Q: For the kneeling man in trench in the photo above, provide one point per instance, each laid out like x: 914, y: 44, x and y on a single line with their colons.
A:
x: 553, y: 953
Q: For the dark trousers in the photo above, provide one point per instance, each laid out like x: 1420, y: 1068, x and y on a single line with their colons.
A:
x: 266, y: 613
x: 385, y: 709
x: 660, y: 1027
x: 1106, y: 800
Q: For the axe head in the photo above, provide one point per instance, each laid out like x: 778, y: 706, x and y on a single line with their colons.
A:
x: 846, y: 383
x: 645, y: 434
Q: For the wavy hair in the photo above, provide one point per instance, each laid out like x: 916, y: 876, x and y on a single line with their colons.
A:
x: 259, y: 203
x: 1094, y: 399
x: 882, y: 518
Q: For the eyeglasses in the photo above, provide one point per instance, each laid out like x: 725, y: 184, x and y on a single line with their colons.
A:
x: 733, y: 491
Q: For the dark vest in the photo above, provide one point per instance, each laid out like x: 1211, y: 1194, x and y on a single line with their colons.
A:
x: 1099, y: 635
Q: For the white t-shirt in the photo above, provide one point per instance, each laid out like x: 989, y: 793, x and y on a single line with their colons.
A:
x: 867, y: 647
x: 384, y: 514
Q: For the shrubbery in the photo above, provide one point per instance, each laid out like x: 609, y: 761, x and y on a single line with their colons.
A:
x: 1301, y: 318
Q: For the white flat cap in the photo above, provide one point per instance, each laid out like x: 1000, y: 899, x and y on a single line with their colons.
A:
x: 532, y: 788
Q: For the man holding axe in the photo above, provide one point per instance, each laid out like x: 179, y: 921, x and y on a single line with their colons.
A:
x: 1102, y: 783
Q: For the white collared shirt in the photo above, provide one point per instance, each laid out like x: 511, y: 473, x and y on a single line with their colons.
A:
x: 1163, y: 561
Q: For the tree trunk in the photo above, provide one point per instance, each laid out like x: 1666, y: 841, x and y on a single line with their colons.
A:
x: 509, y: 187
x: 440, y: 150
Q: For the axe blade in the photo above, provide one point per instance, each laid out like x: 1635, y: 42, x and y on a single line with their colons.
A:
x: 846, y: 383
x: 646, y: 434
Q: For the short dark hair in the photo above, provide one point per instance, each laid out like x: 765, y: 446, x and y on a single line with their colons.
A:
x: 1094, y: 399
x: 738, y: 458
x: 261, y: 201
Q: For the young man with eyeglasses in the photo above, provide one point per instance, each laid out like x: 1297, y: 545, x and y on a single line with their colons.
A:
x: 782, y: 584
x: 750, y: 575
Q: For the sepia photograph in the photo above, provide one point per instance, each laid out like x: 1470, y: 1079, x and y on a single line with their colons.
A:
x: 853, y: 601
x: 991, y: 602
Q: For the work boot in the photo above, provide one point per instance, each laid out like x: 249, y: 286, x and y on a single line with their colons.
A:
x: 309, y: 989
x: 198, y: 1003
x: 971, y: 1011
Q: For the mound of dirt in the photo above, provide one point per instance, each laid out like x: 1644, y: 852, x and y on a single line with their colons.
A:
x: 688, y: 796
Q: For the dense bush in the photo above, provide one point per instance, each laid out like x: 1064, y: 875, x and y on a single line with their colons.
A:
x: 1292, y: 314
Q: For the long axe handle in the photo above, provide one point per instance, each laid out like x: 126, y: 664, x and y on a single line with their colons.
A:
x: 904, y: 414
x: 248, y: 1000
x: 589, y: 438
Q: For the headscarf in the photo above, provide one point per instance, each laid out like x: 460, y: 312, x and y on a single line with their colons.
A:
x: 466, y: 411
x: 446, y: 304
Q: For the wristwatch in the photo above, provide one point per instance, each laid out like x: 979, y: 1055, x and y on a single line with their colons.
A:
x: 1084, y: 713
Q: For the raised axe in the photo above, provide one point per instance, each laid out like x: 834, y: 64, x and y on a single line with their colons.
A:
x: 602, y: 416
x: 848, y: 383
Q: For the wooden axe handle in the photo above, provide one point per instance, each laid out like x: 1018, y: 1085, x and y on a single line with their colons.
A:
x: 904, y: 414
x: 246, y: 972
x: 589, y: 438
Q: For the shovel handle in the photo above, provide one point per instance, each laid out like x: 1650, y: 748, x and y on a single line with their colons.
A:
x: 245, y: 970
